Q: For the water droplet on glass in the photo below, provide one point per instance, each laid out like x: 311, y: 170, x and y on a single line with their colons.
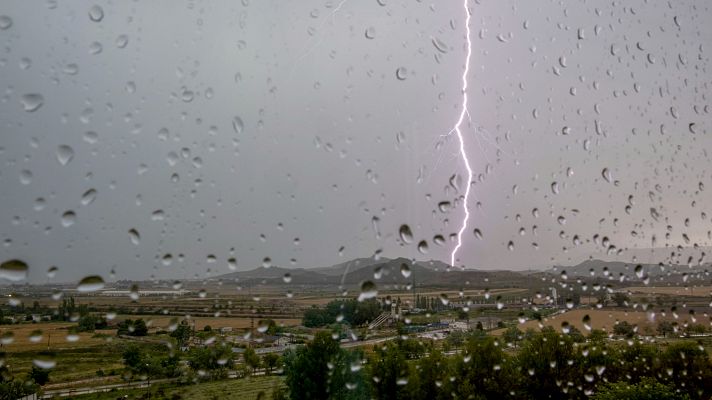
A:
x: 5, y: 22
x: 586, y: 322
x: 88, y: 197
x: 639, y: 272
x: 122, y: 41
x: 134, y: 236
x: 405, y: 270
x: 238, y: 125
x: 401, y: 73
x: 32, y: 101
x: 368, y: 291
x: 65, y: 154
x: 25, y: 177
x: 232, y: 263
x: 423, y: 247
x: 14, y: 270
x: 287, y: 277
x: 266, y: 262
x: 68, y: 218
x: 444, y: 299
x: 370, y: 32
x: 91, y: 283
x: 606, y: 173
x: 96, y: 13
x: 44, y: 363
x: 406, y: 234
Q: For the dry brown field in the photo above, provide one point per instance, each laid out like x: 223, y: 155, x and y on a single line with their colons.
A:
x: 159, y: 322
x: 672, y: 290
x: 53, y: 333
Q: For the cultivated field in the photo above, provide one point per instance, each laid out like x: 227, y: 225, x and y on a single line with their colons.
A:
x: 40, y: 336
x: 158, y: 322
x: 672, y: 290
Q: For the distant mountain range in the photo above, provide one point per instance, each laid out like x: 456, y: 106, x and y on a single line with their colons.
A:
x: 402, y: 271
x: 384, y: 271
x: 599, y: 268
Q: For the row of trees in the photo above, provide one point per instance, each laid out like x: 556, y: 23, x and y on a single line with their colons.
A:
x: 547, y: 365
x: 352, y: 312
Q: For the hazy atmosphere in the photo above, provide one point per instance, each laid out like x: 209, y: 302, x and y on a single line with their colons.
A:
x: 161, y: 139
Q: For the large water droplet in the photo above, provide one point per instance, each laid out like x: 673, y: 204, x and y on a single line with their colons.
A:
x: 606, y: 173
x: 91, y: 283
x: 96, y: 13
x: 586, y: 322
x: 370, y: 32
x: 65, y: 154
x: 68, y: 218
x: 88, y: 197
x: 32, y: 101
x: 406, y: 234
x: 14, y: 270
x: 401, y: 73
x: 368, y: 291
x: 238, y: 125
x: 134, y: 236
x: 5, y: 22
x: 405, y: 270
x: 46, y: 362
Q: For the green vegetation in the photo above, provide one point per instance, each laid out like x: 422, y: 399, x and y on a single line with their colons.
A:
x: 352, y: 312
x: 132, y: 327
x: 547, y: 364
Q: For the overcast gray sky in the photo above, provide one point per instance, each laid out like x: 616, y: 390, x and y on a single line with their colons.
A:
x: 280, y: 129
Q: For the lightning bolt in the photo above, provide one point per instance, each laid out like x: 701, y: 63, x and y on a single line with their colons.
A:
x: 456, y: 129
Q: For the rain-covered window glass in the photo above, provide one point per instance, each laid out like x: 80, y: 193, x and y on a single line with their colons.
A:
x: 355, y: 199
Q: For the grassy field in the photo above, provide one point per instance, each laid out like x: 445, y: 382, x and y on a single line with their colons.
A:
x: 76, y: 363
x: 259, y: 387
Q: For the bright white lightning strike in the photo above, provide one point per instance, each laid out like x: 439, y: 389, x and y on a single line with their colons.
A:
x: 460, y: 138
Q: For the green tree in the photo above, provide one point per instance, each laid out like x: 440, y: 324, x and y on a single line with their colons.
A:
x: 686, y: 366
x: 214, y: 359
x: 271, y: 361
x: 482, y: 371
x: 132, y: 357
x: 544, y: 360
x: 624, y: 328
x: 252, y: 360
x: 182, y: 333
x: 39, y: 375
x: 621, y: 299
x: 665, y: 328
x: 390, y: 371
x: 513, y: 335
x: 322, y: 370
